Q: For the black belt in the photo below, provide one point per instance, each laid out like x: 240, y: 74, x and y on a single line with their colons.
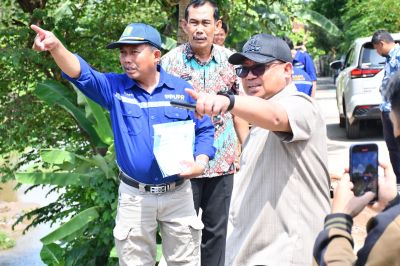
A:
x: 156, y: 188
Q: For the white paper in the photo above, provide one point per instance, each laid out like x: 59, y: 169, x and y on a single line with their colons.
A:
x: 173, y: 143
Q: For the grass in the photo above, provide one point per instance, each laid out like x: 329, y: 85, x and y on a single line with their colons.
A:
x: 5, y: 241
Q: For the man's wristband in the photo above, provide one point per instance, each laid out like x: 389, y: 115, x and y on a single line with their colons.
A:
x: 230, y: 96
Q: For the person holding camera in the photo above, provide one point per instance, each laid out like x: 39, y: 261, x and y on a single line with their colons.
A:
x: 334, y: 245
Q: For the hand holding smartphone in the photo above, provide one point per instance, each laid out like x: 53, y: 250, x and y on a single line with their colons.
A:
x: 364, y: 169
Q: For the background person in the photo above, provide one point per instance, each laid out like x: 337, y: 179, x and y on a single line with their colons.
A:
x: 303, y: 61
x: 137, y: 100
x: 385, y: 46
x: 300, y: 78
x: 221, y: 34
x: 281, y: 193
x: 300, y: 46
x: 206, y: 67
x: 393, y: 94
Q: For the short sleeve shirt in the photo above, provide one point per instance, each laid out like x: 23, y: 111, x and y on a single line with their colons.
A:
x: 281, y: 193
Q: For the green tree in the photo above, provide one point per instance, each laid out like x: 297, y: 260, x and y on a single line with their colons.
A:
x: 381, y: 15
x: 355, y: 19
x: 273, y: 17
x: 333, y: 10
x: 25, y: 121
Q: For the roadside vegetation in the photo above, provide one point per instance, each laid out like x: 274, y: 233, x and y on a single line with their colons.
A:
x: 5, y: 241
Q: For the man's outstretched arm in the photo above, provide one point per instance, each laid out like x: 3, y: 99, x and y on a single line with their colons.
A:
x: 47, y: 41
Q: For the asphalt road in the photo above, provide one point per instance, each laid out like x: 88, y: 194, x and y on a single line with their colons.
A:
x: 338, y: 144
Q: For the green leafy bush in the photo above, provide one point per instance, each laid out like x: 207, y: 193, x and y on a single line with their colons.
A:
x: 5, y: 241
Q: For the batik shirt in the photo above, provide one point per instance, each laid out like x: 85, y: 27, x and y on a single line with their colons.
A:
x: 212, y: 76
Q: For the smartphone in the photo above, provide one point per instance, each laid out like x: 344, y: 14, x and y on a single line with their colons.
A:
x: 364, y: 169
x: 184, y: 105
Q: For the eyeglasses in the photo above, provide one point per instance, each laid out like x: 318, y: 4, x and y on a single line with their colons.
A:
x: 257, y: 70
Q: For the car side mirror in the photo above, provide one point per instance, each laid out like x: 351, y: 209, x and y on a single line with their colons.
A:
x: 337, y: 64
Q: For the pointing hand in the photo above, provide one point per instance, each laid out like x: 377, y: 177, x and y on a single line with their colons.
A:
x: 44, y: 40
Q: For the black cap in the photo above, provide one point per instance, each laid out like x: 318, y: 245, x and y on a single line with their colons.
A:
x: 262, y: 48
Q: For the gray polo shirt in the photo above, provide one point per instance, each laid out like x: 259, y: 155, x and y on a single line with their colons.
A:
x: 281, y: 193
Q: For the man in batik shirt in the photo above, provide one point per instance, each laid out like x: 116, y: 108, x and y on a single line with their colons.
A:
x: 205, y: 66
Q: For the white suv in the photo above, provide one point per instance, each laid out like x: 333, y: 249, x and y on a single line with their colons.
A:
x: 358, y: 83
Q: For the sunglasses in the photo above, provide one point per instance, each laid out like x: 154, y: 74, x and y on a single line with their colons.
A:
x: 257, y: 70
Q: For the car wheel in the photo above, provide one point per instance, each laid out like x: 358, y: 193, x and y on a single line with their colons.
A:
x: 342, y: 122
x: 342, y: 119
x: 352, y: 130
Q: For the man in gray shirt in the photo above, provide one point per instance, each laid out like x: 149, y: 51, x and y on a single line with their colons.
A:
x: 281, y: 194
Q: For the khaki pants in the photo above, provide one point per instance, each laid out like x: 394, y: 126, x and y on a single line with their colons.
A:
x: 138, y: 215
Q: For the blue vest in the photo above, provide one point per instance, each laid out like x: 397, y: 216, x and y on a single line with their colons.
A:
x: 302, y: 81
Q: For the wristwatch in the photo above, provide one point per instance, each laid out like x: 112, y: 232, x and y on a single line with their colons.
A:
x: 230, y: 96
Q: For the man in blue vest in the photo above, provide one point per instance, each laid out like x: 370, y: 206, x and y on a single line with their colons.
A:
x: 302, y: 60
x: 138, y: 100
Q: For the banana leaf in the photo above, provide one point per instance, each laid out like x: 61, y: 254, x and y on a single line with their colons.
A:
x: 52, y: 254
x: 113, y: 253
x: 53, y: 92
x: 168, y: 43
x: 103, y: 165
x: 101, y: 121
x: 102, y: 126
x: 57, y: 156
x: 159, y: 252
x: 59, y: 179
x: 73, y: 226
x: 320, y: 21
